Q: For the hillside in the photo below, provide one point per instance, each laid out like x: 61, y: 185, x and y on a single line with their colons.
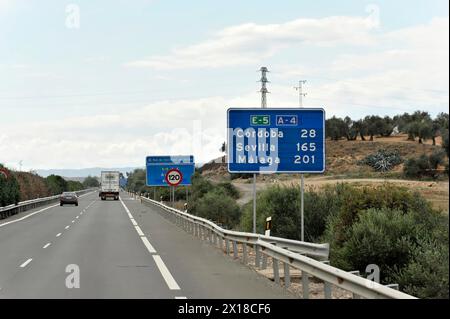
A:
x: 31, y: 186
x: 342, y: 165
x: 342, y: 158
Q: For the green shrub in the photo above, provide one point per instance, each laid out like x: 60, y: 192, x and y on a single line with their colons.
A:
x: 90, y: 182
x: 56, y: 184
x: 445, y: 142
x: 424, y: 165
x: 379, y: 236
x: 436, y: 158
x: 387, y: 226
x: 229, y: 189
x: 282, y: 203
x: 426, y: 274
x: 73, y: 186
x: 218, y: 207
x: 9, y: 190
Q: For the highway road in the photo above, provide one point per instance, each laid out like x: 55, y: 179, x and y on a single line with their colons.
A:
x: 119, y: 249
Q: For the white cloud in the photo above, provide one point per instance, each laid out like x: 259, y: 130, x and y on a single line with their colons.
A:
x: 249, y: 43
x: 406, y: 70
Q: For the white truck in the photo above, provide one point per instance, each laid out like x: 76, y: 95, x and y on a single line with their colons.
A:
x: 109, y: 185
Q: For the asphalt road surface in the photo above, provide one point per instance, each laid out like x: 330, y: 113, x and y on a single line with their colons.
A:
x: 116, y: 249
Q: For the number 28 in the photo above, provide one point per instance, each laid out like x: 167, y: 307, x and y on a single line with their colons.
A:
x: 308, y: 133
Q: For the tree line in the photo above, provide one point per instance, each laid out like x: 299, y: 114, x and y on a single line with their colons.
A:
x: 418, y: 125
x: 21, y: 186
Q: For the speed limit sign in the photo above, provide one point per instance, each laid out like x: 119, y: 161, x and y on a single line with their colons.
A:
x: 174, y: 177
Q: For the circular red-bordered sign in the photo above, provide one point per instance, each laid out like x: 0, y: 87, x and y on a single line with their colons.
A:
x: 174, y: 177
x: 4, y: 172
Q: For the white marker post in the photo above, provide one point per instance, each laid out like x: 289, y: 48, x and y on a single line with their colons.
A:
x: 268, y: 226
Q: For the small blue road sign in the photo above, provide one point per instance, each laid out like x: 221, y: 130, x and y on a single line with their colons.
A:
x: 159, y: 166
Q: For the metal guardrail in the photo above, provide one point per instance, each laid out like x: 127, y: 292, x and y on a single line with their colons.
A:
x: 10, y: 210
x: 291, y: 253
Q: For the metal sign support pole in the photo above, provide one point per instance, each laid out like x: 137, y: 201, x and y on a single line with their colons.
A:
x: 254, y: 203
x: 302, y: 188
x: 173, y: 196
x: 302, y: 178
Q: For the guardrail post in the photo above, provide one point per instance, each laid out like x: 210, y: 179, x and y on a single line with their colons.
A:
x: 202, y: 232
x: 305, y: 285
x: 287, y: 276
x: 235, y: 249
x: 327, y: 290
x: 327, y: 287
x: 276, y: 272
x: 355, y: 272
x: 264, y: 262
x: 227, y: 246
x: 244, y: 253
x: 257, y: 255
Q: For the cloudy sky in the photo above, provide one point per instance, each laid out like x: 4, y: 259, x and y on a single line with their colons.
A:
x: 105, y: 83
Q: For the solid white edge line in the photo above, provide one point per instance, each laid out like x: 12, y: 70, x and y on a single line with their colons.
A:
x: 46, y: 245
x: 29, y: 215
x: 133, y: 222
x: 147, y: 244
x: 139, y: 231
x: 26, y: 263
x: 170, y: 281
x: 39, y: 211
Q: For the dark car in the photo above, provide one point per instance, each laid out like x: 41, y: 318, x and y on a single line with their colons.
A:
x: 68, y: 198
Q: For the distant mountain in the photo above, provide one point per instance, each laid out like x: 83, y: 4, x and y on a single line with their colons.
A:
x: 82, y: 172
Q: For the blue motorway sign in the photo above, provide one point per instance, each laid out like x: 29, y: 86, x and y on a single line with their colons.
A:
x: 123, y: 182
x: 175, y: 159
x: 276, y: 140
x: 158, y: 166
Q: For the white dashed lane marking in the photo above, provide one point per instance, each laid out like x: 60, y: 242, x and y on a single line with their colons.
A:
x: 170, y: 281
x: 46, y: 245
x: 149, y: 246
x: 26, y: 263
